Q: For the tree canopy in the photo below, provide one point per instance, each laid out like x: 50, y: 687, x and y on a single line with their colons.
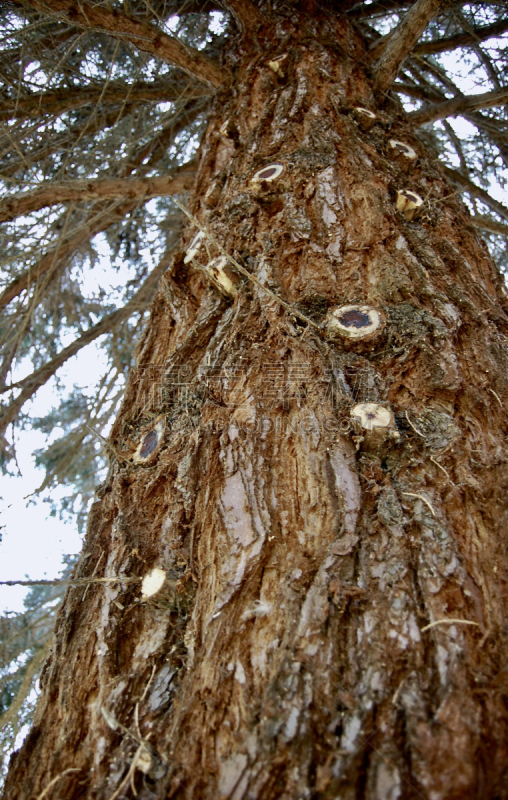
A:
x: 102, y: 109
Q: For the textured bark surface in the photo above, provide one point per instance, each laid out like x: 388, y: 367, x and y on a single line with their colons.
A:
x: 287, y: 659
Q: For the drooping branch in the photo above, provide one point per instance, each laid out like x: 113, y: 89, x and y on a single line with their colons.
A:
x: 400, y: 42
x: 462, y: 39
x: 33, y: 666
x: 431, y: 94
x: 146, y: 157
x: 489, y: 224
x: 471, y: 188
x: 35, y: 380
x: 59, y: 101
x: 142, y: 35
x: 128, y: 189
x: 458, y: 105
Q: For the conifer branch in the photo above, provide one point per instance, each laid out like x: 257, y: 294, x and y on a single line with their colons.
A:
x: 39, y: 377
x: 471, y: 188
x: 462, y: 39
x: 400, y: 42
x: 458, y: 105
x: 98, y: 221
x: 144, y: 36
x: 25, y: 688
x: 34, y: 105
x: 489, y: 224
x: 75, y: 191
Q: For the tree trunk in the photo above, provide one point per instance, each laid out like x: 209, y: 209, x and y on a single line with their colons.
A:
x: 317, y: 497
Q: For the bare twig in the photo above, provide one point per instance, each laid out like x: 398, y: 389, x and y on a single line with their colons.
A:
x: 441, y: 468
x: 413, y: 427
x: 449, y: 622
x: 55, y: 780
x: 496, y: 395
x: 423, y: 499
x: 93, y: 573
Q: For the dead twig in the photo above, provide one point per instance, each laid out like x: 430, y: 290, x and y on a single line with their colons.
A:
x: 448, y: 622
x: 55, y: 780
x: 423, y: 499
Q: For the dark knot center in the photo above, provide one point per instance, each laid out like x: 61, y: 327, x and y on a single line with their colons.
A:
x: 354, y: 319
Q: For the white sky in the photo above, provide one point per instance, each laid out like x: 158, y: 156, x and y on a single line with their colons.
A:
x: 33, y: 542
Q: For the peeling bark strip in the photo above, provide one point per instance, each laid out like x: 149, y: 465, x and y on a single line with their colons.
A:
x: 142, y: 35
x: 299, y: 506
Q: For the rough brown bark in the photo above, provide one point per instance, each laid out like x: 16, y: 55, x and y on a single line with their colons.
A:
x: 290, y: 656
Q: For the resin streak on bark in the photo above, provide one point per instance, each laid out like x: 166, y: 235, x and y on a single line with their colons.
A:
x: 307, y: 555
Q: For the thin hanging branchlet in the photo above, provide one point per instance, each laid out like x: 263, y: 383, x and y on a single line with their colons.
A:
x: 73, y: 581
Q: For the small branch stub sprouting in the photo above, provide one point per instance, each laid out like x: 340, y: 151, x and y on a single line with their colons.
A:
x: 159, y: 590
x: 403, y: 154
x: 228, y: 130
x: 364, y: 118
x: 213, y: 194
x: 377, y: 424
x: 373, y: 415
x: 266, y: 175
x: 354, y: 322
x: 409, y: 203
x: 149, y: 444
x: 194, y: 247
x: 222, y: 276
x: 277, y: 64
x: 153, y: 582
